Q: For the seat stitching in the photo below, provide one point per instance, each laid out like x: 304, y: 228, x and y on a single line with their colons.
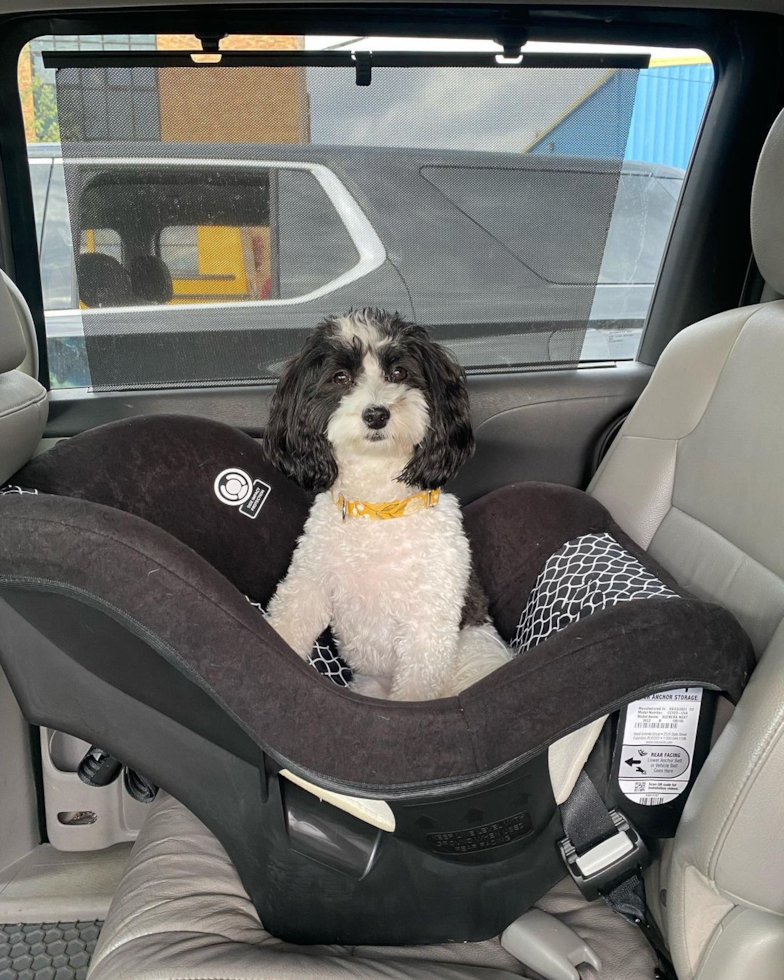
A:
x: 20, y: 406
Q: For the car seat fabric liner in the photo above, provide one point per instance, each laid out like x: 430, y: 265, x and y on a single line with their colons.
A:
x: 163, y: 471
x: 128, y: 575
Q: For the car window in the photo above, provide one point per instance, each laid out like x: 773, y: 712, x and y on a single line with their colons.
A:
x: 106, y: 241
x: 521, y: 214
x: 546, y: 210
x: 533, y: 213
x: 641, y: 222
x: 314, y: 245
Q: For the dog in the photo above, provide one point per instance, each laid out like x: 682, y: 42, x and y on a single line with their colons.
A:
x: 373, y: 417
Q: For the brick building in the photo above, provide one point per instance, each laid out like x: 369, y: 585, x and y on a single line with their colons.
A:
x: 271, y: 105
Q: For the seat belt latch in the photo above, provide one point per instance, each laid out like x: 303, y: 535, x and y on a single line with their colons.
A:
x: 618, y: 857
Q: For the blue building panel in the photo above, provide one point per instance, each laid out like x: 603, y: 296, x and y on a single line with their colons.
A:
x: 669, y: 103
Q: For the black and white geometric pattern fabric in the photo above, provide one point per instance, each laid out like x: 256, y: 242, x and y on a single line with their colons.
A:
x: 324, y: 657
x: 585, y: 575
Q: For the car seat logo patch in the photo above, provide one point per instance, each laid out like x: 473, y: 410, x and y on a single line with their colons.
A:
x: 235, y: 488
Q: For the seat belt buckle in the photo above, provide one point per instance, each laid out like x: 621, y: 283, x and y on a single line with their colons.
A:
x: 598, y: 870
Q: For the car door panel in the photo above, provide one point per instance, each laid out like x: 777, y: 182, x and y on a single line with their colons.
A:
x: 529, y: 426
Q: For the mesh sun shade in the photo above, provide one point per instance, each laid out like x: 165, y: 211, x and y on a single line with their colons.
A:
x: 219, y: 212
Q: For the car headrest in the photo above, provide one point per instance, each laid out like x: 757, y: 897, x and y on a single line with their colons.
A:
x: 151, y: 279
x: 23, y: 401
x: 12, y: 342
x: 103, y: 281
x: 767, y: 208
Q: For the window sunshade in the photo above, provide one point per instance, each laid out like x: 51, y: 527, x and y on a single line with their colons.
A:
x: 220, y: 210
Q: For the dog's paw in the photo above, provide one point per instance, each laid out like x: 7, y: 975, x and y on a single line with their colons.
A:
x: 372, y: 687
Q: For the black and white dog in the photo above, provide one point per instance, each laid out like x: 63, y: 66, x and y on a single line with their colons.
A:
x: 373, y: 416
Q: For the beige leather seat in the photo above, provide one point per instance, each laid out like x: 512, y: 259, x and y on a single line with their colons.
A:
x: 181, y: 912
x: 697, y: 476
x: 23, y: 401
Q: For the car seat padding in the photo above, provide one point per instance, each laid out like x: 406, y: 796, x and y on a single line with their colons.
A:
x: 147, y: 489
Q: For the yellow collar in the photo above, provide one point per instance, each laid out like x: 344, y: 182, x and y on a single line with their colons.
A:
x: 392, y: 508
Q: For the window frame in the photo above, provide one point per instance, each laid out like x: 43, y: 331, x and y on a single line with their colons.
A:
x: 370, y: 249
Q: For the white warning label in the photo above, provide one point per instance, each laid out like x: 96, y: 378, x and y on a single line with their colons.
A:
x: 658, y: 746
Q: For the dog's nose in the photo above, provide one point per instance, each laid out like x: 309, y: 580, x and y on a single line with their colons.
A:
x: 375, y: 416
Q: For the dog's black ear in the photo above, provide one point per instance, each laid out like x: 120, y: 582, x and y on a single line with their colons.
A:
x: 295, y: 439
x: 450, y: 438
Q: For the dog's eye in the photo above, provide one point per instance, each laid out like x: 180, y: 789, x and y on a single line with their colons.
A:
x: 342, y: 378
x: 398, y: 374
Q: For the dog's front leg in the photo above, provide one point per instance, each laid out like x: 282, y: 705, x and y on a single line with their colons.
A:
x: 426, y: 661
x: 301, y: 609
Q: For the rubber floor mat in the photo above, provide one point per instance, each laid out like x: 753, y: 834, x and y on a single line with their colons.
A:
x: 47, y: 950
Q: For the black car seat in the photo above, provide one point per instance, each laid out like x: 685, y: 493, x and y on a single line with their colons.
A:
x: 151, y: 280
x: 103, y: 281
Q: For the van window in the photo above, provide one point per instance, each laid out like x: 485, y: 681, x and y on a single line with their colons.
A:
x: 285, y: 246
x: 104, y: 240
x: 521, y: 214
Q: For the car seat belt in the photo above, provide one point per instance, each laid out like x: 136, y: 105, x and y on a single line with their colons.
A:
x: 605, y: 856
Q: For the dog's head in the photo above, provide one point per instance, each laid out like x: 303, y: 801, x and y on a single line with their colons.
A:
x: 370, y: 383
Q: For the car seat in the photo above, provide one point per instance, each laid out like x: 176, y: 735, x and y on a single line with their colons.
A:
x: 151, y: 279
x: 103, y: 281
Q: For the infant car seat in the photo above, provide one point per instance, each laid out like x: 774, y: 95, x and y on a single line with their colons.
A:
x: 125, y: 620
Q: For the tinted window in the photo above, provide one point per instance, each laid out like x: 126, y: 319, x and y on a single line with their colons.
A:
x: 521, y: 214
x: 550, y: 219
x: 256, y: 234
